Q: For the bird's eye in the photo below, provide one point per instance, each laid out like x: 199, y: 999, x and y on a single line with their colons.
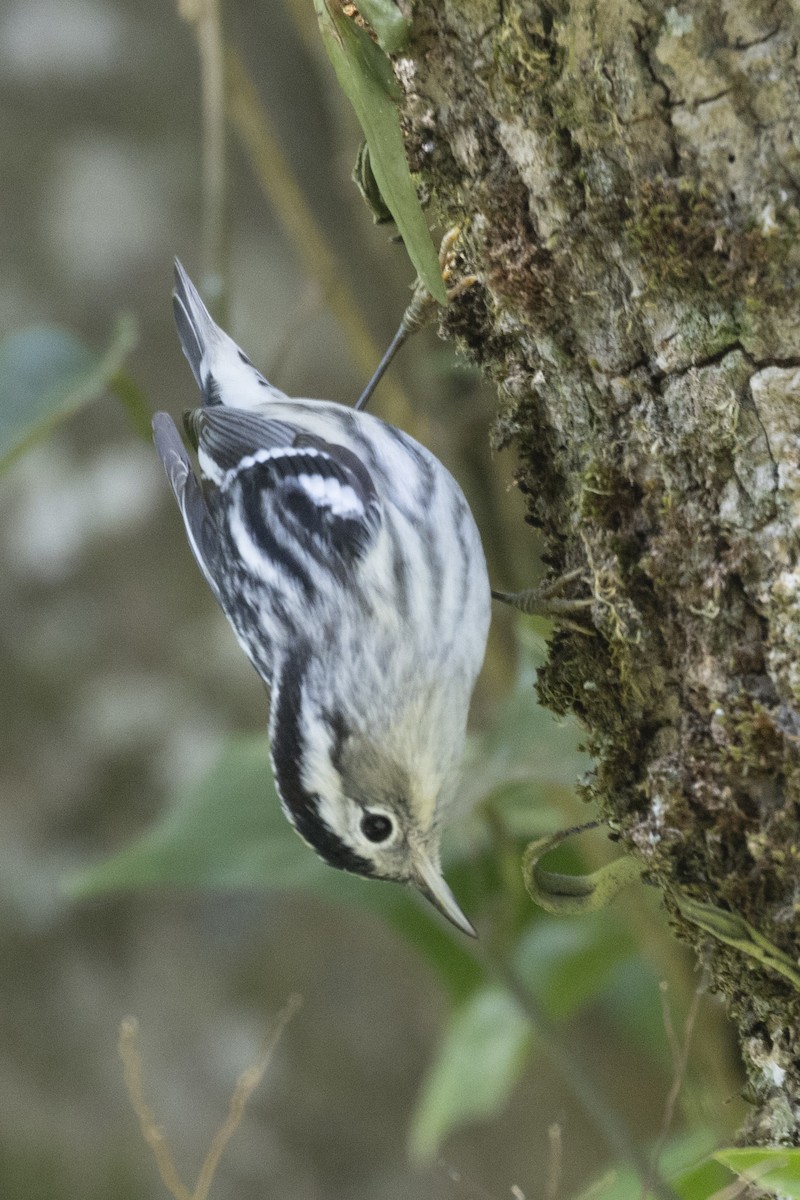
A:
x: 376, y: 827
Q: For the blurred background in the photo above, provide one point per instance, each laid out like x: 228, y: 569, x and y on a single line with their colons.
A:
x: 409, y: 1071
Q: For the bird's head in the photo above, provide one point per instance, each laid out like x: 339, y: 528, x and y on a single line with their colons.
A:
x: 354, y: 804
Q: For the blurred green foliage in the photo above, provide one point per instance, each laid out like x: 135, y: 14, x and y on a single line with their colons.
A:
x: 697, y: 1172
x: 480, y: 1059
x: 568, y: 965
x: 769, y: 1168
x: 47, y: 374
x: 227, y: 831
x: 684, y: 1161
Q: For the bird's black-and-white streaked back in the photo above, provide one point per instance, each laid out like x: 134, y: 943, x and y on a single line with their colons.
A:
x: 348, y: 563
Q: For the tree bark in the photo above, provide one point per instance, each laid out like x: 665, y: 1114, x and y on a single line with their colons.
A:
x: 627, y: 180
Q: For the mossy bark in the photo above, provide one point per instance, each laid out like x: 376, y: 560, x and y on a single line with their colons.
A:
x: 627, y: 179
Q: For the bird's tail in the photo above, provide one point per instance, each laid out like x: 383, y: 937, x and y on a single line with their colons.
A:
x: 224, y: 373
x: 198, y: 331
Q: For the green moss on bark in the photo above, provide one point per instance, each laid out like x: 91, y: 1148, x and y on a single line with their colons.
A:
x: 624, y: 177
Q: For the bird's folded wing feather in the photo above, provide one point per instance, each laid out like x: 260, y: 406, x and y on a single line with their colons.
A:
x: 319, y: 492
x: 191, y: 501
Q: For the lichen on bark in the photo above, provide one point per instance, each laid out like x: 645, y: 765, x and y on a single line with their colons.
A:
x: 627, y: 179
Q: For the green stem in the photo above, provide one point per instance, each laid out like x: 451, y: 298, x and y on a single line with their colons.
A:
x: 280, y: 187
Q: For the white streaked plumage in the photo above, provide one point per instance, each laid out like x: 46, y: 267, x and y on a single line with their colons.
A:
x: 348, y: 563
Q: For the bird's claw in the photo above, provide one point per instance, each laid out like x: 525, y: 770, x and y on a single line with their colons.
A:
x: 423, y: 306
x: 546, y: 601
x: 447, y: 257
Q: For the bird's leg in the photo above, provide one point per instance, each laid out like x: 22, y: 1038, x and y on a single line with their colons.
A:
x: 546, y: 601
x: 420, y: 311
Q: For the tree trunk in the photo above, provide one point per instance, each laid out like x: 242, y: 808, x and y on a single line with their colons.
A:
x: 627, y: 182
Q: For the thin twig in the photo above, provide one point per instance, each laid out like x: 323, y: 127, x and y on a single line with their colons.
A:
x: 206, y: 18
x: 681, y: 1063
x: 132, y: 1070
x: 554, y: 1161
x: 669, y: 1026
x: 247, y: 1083
x: 254, y: 130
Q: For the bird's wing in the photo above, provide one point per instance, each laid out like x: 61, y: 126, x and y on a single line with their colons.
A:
x: 288, y: 483
x: 191, y: 501
x: 224, y: 435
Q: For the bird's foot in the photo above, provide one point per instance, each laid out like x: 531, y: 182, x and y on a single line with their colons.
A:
x: 547, y: 601
x: 422, y: 309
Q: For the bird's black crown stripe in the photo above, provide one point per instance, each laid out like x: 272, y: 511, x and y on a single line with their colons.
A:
x: 287, y: 754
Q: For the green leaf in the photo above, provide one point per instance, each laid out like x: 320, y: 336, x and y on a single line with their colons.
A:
x: 731, y: 928
x: 46, y: 374
x: 574, y: 895
x: 364, y: 178
x: 701, y: 1181
x: 772, y: 1168
x: 567, y: 964
x: 226, y: 830
x: 681, y: 1163
x: 478, y: 1063
x: 366, y: 77
x: 390, y: 26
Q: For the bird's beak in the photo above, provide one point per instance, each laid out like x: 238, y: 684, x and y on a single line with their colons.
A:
x: 430, y: 881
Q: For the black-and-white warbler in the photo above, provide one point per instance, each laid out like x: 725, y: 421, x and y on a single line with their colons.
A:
x: 347, y: 561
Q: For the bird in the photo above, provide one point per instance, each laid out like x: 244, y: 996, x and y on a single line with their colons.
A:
x: 349, y: 565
